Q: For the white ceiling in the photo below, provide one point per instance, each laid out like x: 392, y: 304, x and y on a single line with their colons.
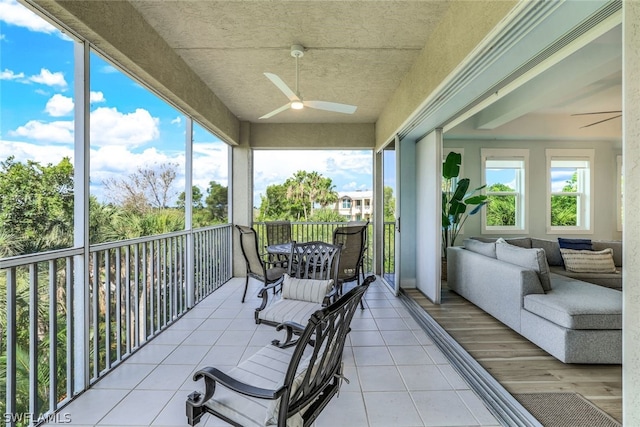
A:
x: 357, y: 52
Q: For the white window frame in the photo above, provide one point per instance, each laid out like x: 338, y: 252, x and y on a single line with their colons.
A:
x: 521, y: 192
x: 585, y: 189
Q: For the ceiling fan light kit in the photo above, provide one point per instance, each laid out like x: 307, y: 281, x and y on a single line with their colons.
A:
x: 295, y: 100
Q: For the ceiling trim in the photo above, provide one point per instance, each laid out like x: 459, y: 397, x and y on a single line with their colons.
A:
x: 532, y: 34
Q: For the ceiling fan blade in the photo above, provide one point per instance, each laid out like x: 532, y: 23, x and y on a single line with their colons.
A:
x: 331, y: 106
x: 601, y: 121
x: 597, y: 112
x: 276, y: 111
x: 282, y: 86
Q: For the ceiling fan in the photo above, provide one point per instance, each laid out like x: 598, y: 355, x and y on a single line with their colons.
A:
x: 296, y: 101
x: 618, y: 113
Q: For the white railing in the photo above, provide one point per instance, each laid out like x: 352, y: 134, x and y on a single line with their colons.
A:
x: 136, y: 288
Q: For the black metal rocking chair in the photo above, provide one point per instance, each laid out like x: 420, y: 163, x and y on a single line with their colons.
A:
x: 283, y: 387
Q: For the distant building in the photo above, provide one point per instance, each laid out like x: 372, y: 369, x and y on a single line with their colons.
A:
x: 355, y: 205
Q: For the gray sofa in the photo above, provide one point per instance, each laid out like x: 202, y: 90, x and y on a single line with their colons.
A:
x: 556, y: 264
x: 573, y: 320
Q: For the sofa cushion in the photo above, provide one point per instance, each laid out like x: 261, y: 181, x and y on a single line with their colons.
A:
x: 588, y: 261
x: 533, y: 258
x: 483, y: 248
x: 310, y: 290
x: 577, y: 244
x: 523, y: 242
x: 578, y: 305
x: 610, y: 280
x: 616, y: 245
x: 551, y: 249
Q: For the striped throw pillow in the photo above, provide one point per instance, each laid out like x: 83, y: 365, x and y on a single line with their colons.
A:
x: 578, y: 261
x: 310, y: 290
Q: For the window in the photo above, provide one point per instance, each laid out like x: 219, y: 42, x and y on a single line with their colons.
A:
x: 569, y: 184
x: 346, y: 203
x: 504, y: 172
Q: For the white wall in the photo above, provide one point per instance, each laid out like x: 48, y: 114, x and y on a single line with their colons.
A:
x: 428, y: 160
x: 604, y: 195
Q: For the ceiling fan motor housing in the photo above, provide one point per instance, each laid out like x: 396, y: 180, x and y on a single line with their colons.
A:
x: 297, y: 51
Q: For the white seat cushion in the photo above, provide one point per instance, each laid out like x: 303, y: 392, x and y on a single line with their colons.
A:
x: 265, y: 369
x: 310, y: 290
x: 289, y: 310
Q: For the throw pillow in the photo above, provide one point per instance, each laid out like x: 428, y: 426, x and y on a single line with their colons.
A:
x: 577, y: 244
x: 534, y: 259
x: 311, y: 290
x: 486, y: 249
x: 588, y: 261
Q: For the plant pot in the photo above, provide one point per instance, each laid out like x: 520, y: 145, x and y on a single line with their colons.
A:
x: 443, y: 269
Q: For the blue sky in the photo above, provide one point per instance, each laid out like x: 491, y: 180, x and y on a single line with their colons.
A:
x: 130, y: 126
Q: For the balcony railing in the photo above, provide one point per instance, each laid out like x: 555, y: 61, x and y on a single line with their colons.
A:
x: 67, y: 321
x: 57, y: 337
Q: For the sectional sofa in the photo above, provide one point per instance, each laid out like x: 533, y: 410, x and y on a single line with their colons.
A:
x: 556, y: 264
x: 573, y: 320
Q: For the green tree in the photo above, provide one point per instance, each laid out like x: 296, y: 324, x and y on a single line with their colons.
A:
x: 501, y: 209
x: 217, y: 201
x: 305, y: 189
x: 389, y: 205
x: 275, y: 205
x: 564, y: 208
x: 196, y: 198
x: 36, y: 205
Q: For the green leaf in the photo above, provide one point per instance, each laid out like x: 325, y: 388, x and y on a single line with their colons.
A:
x: 475, y: 200
x: 451, y: 165
x: 461, y: 190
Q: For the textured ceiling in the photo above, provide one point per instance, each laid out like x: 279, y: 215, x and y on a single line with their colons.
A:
x: 357, y: 52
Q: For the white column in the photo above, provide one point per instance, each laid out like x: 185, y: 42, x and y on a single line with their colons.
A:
x: 188, y: 210
x: 631, y: 225
x: 81, y: 217
x: 241, y: 192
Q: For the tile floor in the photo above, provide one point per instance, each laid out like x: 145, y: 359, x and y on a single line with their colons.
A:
x: 398, y: 377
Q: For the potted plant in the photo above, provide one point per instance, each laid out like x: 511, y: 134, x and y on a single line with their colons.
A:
x: 455, y: 202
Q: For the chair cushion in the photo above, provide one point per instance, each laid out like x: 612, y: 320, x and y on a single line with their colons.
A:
x: 310, y: 290
x: 534, y: 259
x: 265, y: 369
x: 588, y: 261
x: 283, y: 310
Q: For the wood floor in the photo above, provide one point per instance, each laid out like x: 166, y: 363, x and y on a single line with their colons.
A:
x: 517, y: 364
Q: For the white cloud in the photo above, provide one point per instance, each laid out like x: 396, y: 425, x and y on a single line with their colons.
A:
x: 44, y: 154
x: 59, y: 105
x: 176, y: 121
x: 210, y: 164
x: 13, y: 13
x: 48, y: 78
x: 95, y: 97
x: 10, y: 75
x: 109, y: 69
x: 53, y: 132
x: 111, y: 127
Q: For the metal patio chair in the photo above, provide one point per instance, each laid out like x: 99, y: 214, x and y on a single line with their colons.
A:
x: 353, y: 239
x: 257, y: 267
